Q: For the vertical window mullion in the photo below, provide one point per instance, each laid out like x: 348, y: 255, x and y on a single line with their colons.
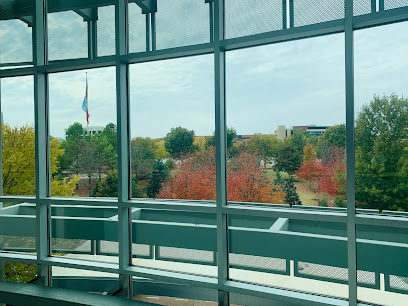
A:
x: 220, y: 152
x: 350, y: 154
x: 42, y: 163
x: 122, y: 109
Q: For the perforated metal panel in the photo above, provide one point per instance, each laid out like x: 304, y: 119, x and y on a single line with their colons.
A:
x: 137, y: 29
x: 67, y: 36
x: 361, y: 7
x: 106, y: 30
x: 248, y: 17
x: 112, y: 247
x: 399, y: 283
x: 391, y: 4
x: 182, y: 254
x: 108, y: 247
x: 257, y: 262
x: 15, y: 42
x: 310, y: 11
x: 142, y: 250
x: 334, y: 274
x: 182, y: 23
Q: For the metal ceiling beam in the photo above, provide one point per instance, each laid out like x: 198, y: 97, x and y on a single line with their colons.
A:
x: 89, y: 14
x: 7, y: 10
x: 147, y: 6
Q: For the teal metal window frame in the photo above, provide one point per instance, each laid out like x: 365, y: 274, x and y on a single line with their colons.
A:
x: 217, y: 46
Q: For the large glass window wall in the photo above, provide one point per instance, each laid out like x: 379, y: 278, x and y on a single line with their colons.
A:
x: 203, y: 151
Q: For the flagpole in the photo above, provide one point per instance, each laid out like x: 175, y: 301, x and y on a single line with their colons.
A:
x: 87, y: 123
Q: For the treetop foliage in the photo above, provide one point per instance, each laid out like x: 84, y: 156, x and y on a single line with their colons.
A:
x: 179, y: 142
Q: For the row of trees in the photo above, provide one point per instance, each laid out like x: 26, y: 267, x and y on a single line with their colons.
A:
x: 381, y: 135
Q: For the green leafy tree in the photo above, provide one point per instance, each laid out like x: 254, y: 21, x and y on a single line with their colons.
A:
x: 105, y: 155
x: 288, y: 159
x: 75, y: 134
x: 332, y: 142
x: 143, y: 154
x: 108, y: 186
x: 278, y: 178
x: 111, y: 135
x: 231, y: 139
x: 88, y: 163
x: 381, y: 142
x: 179, y: 142
x: 299, y: 140
x: 292, y: 197
x: 265, y: 146
x: 156, y: 178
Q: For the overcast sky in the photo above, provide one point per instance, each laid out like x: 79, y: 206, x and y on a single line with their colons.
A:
x: 294, y: 83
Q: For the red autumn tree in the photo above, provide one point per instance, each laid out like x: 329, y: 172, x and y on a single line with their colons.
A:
x: 311, y: 168
x: 247, y: 181
x: 333, y: 177
x: 195, y: 178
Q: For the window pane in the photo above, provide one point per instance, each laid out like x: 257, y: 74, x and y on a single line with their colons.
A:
x: 175, y: 240
x: 83, y: 156
x: 77, y: 231
x: 16, y: 42
x: 17, y: 224
x: 182, y: 23
x: 67, y: 36
x: 172, y: 111
x: 285, y: 116
x: 286, y: 148
x: 381, y: 110
x: 18, y: 139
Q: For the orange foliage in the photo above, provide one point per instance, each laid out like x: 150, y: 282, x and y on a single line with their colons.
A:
x: 247, y: 181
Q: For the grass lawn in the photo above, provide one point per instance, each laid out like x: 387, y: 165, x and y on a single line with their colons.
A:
x: 307, y: 197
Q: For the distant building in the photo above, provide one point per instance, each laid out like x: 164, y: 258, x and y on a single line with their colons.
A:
x: 317, y: 130
x: 92, y: 130
x: 282, y: 132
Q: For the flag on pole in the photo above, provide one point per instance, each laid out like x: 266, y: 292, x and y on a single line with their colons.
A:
x: 85, y: 103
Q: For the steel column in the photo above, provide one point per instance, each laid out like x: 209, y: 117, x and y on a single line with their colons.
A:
x: 381, y: 5
x: 351, y: 203
x: 92, y: 39
x: 291, y: 14
x: 220, y: 152
x: 122, y: 109
x: 148, y: 25
x: 43, y: 219
x: 153, y: 25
